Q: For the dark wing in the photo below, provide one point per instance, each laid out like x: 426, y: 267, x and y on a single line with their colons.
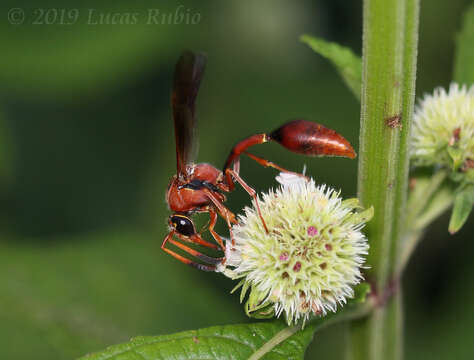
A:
x: 187, y: 78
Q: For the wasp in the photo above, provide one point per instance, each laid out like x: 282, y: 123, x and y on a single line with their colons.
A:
x: 201, y: 188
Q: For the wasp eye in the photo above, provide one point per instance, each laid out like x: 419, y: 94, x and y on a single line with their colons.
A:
x: 183, y: 225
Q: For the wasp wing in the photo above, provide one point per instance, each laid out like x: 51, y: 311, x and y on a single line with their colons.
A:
x: 187, y: 78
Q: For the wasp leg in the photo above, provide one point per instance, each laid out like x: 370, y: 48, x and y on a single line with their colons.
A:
x: 238, y: 149
x: 267, y: 163
x: 197, y: 239
x: 224, y: 212
x: 215, y: 235
x: 251, y: 192
x: 229, y: 185
x: 197, y: 254
x: 234, y: 173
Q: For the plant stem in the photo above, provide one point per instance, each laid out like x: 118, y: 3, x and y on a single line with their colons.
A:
x: 418, y: 217
x: 388, y: 86
x: 420, y: 199
x: 416, y: 232
x: 384, y: 328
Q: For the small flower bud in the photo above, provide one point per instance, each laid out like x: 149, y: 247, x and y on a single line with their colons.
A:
x: 311, y: 257
x: 443, y: 129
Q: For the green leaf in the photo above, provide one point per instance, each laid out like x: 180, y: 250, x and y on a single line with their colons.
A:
x: 258, y: 305
x: 269, y: 340
x: 352, y: 202
x: 463, y: 203
x: 363, y: 216
x: 361, y: 291
x: 464, y: 59
x: 469, y: 176
x: 456, y: 156
x: 348, y: 64
x: 217, y: 342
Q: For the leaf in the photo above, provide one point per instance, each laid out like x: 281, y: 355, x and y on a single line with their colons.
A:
x: 463, y: 202
x: 456, y: 156
x: 363, y: 216
x: 352, y: 202
x: 270, y: 340
x: 258, y: 305
x: 217, y: 342
x: 464, y: 58
x: 361, y: 291
x: 348, y: 64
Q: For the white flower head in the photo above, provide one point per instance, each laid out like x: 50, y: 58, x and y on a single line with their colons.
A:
x: 443, y: 129
x: 311, y: 258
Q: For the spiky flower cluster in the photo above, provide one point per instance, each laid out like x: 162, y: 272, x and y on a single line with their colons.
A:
x: 311, y: 257
x: 443, y: 131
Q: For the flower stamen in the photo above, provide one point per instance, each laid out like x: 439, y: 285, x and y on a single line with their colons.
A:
x: 312, y: 257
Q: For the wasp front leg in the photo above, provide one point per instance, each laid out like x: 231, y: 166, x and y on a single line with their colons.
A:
x: 224, y: 212
x: 212, y: 223
x: 211, y: 262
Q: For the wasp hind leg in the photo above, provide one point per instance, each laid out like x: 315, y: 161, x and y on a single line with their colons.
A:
x: 267, y: 163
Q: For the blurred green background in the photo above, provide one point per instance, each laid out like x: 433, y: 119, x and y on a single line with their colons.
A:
x: 87, y: 150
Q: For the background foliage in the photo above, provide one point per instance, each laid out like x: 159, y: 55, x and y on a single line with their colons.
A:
x: 86, y: 152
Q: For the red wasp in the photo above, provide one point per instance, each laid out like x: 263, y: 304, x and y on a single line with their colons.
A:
x: 201, y: 187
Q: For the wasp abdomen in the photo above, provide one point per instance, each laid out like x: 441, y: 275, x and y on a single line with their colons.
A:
x: 309, y: 138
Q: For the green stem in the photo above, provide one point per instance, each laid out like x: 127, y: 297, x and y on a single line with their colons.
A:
x: 418, y: 217
x: 385, y: 332
x: 420, y: 199
x: 416, y: 232
x: 431, y: 214
x: 389, y: 63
